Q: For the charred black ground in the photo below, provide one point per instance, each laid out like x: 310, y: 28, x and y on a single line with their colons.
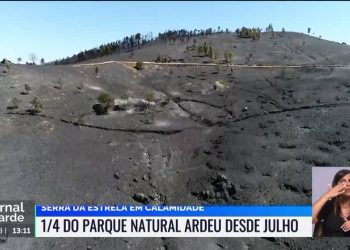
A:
x: 178, y: 134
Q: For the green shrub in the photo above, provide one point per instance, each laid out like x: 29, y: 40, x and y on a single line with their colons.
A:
x: 97, y: 70
x: 105, y: 98
x: 7, y: 64
x: 37, y: 105
x: 139, y: 65
x: 27, y: 88
x: 253, y: 33
x: 150, y: 97
x: 200, y: 49
x: 210, y: 52
x: 14, y: 103
x: 107, y: 101
x: 59, y: 84
x: 163, y: 58
x: 216, y: 54
x: 228, y: 56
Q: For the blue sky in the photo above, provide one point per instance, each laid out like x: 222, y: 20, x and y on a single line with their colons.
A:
x: 55, y: 30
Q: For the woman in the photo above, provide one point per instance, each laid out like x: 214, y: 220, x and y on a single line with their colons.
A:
x: 331, y: 212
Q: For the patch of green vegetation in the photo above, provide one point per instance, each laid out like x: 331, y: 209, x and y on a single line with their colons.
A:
x: 97, y: 70
x: 228, y: 56
x: 163, y: 58
x: 59, y: 84
x: 7, y: 64
x: 37, y: 105
x: 253, y: 33
x: 207, y: 50
x: 139, y: 65
x: 14, y: 103
x: 106, y: 100
x: 149, y: 97
x: 27, y: 88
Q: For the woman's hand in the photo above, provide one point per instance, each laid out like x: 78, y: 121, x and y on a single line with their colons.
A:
x: 346, y: 226
x: 335, y: 191
x: 331, y: 193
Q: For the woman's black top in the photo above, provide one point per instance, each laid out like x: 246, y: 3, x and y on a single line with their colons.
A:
x: 330, y: 222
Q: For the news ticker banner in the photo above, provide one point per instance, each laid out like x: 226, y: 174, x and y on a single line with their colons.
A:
x: 153, y: 221
x: 173, y: 221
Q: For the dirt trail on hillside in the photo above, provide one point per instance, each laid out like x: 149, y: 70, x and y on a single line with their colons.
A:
x: 215, y: 64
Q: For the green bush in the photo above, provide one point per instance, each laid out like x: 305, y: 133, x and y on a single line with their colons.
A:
x: 37, y: 105
x: 14, y: 103
x: 97, y: 70
x: 139, y: 65
x: 149, y: 97
x: 228, y: 56
x: 253, y: 33
x: 27, y: 88
x: 106, y: 100
x: 59, y: 84
x: 163, y: 58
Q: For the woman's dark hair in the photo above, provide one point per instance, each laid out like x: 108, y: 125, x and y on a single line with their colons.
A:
x: 340, y: 174
x: 337, y: 177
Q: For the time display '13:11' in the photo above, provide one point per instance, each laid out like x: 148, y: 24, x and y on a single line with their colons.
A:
x: 20, y: 230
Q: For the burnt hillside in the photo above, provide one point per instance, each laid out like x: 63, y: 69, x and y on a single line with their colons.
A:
x: 177, y: 134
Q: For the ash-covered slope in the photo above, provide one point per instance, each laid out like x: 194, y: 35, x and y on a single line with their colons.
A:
x: 178, y: 135
x: 290, y: 48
